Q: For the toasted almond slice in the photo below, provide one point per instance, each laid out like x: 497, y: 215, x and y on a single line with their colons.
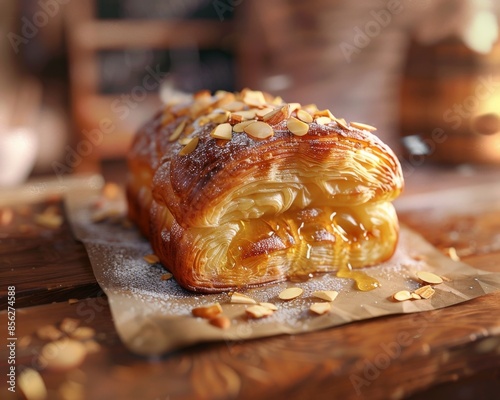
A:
x: 304, y: 116
x: 177, y: 132
x: 271, y: 306
x: 83, y: 333
x: 452, y: 253
x: 151, y: 258
x: 278, y: 115
x: 238, y: 298
x: 324, y: 113
x: 323, y: 120
x: 166, y: 276
x: 220, y: 117
x: 264, y: 111
x: 234, y: 106
x: 203, y: 94
x: 92, y: 346
x: 63, y: 354
x: 341, y: 122
x: 189, y: 147
x: 278, y: 101
x: 426, y: 292
x: 50, y: 221
x: 207, y: 312
x: 240, y: 116
x: 290, y: 293
x: 241, y: 126
x: 259, y: 130
x: 32, y: 385
x: 310, y: 108
x: 184, y: 140
x: 320, y: 308
x: 203, y: 121
x: 415, y: 296
x: 253, y: 97
x: 68, y: 325
x: 429, y: 277
x: 258, y: 311
x: 49, y: 332
x: 221, y: 322
x: 294, y: 106
x: 328, y: 295
x: 223, y: 131
x: 297, y: 127
x: 402, y: 295
x: 365, y: 127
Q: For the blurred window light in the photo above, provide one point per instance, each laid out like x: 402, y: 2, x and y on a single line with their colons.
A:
x: 482, y: 32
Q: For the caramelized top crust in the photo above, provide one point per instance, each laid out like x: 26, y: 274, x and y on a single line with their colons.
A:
x: 210, y: 166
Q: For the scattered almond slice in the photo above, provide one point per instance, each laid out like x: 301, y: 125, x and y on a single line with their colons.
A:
x: 63, y: 354
x: 83, y: 333
x: 320, y: 308
x: 426, y: 292
x: 278, y: 115
x: 415, y: 296
x: 429, y: 277
x: 184, y: 141
x: 452, y: 253
x: 151, y: 258
x: 445, y: 278
x: 294, y: 106
x: 68, y: 325
x: 223, y: 131
x: 234, y: 106
x: 177, y: 132
x: 328, y: 295
x: 323, y: 120
x: 207, y: 312
x: 290, y: 293
x: 32, y: 385
x: 253, y: 97
x: 166, y: 276
x: 49, y: 332
x: 92, y: 346
x: 240, y: 116
x: 304, y: 116
x: 362, y: 126
x: 189, y: 147
x: 258, y: 311
x: 238, y: 298
x: 50, y: 221
x: 402, y: 295
x: 324, y: 113
x: 221, y: 322
x: 238, y: 128
x: 220, y: 117
x: 263, y: 112
x: 341, y: 122
x: 271, y: 306
x: 259, y: 130
x: 297, y: 127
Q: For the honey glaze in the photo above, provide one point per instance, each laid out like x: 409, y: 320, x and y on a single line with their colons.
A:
x: 314, y: 239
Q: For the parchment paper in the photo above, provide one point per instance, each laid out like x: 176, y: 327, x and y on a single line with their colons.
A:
x: 154, y: 317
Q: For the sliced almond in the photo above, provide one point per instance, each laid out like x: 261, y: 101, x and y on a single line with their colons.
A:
x: 202, y: 121
x: 323, y: 120
x: 189, y: 147
x: 238, y: 298
x: 426, y: 292
x: 177, y: 132
x: 402, y: 295
x: 365, y: 127
x: 304, y: 116
x: 415, y: 296
x: 452, y: 253
x: 234, y: 106
x: 253, y: 98
x: 290, y: 293
x: 32, y: 385
x: 49, y: 332
x: 293, y: 107
x: 278, y: 115
x: 259, y: 130
x: 83, y: 333
x: 184, y: 140
x: 278, y: 101
x: 258, y: 311
x: 241, y: 116
x: 310, y: 108
x: 341, y: 122
x: 223, y: 131
x: 221, y: 322
x: 220, y: 117
x: 297, y: 127
x: 328, y: 295
x: 50, y: 221
x: 429, y: 277
x: 92, y: 346
x: 166, y: 276
x: 151, y: 258
x: 241, y: 126
x: 324, y: 113
x: 63, y: 354
x: 264, y: 111
x: 320, y: 308
x: 207, y: 312
x: 271, y: 306
x: 68, y: 325
x: 203, y: 94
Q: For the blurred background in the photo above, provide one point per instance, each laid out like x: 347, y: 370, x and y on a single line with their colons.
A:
x: 78, y: 77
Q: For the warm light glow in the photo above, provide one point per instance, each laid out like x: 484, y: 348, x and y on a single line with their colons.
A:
x: 482, y: 32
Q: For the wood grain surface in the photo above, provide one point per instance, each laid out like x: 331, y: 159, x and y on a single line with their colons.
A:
x: 448, y: 352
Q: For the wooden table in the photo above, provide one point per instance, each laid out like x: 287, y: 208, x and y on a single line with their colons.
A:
x: 452, y: 351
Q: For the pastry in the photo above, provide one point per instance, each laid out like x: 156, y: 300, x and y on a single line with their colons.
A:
x: 235, y: 190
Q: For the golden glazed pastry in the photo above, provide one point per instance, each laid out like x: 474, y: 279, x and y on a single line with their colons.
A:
x: 240, y: 189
